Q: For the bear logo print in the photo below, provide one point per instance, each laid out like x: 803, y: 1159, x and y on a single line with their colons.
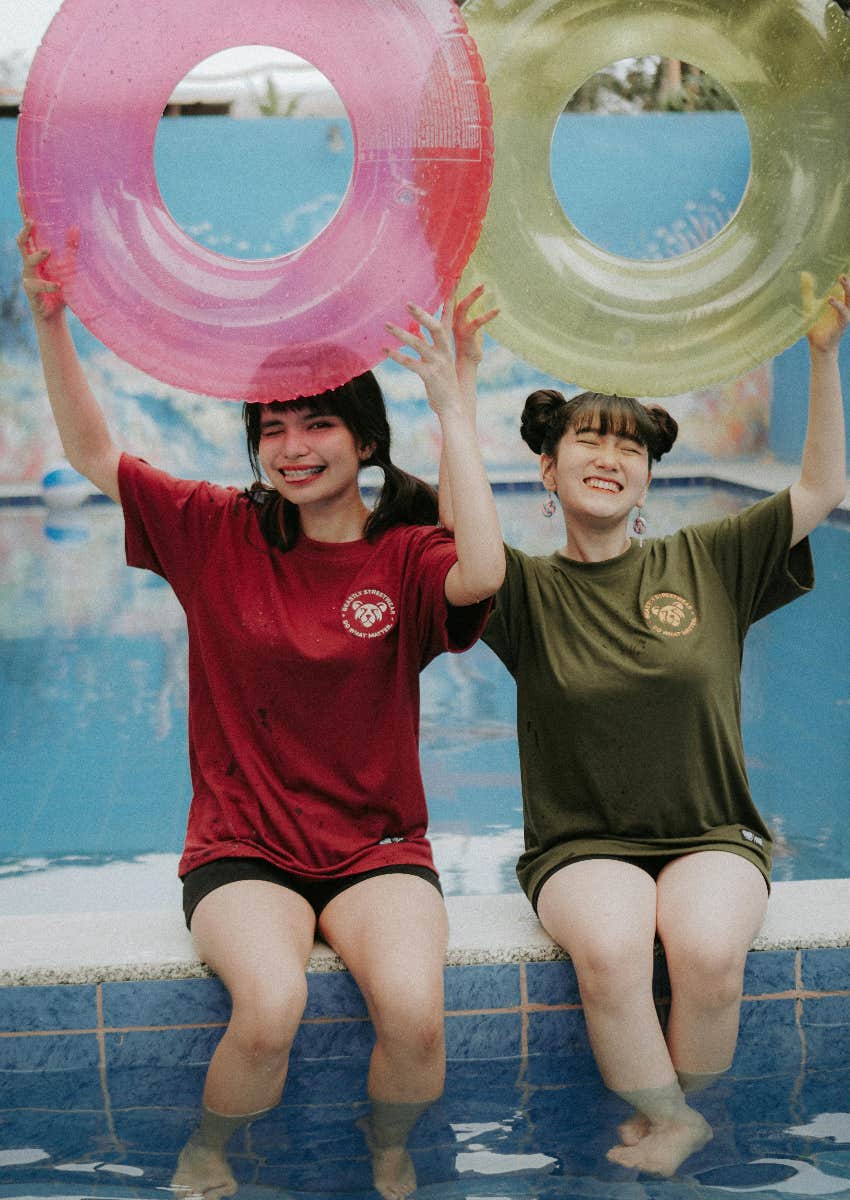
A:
x: 368, y: 613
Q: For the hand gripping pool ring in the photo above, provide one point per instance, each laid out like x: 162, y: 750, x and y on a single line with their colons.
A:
x: 411, y: 80
x: 655, y: 328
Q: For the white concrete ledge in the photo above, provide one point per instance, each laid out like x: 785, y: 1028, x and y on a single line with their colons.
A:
x: 109, y: 946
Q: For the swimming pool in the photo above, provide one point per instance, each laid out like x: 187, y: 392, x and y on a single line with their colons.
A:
x: 93, y: 688
x: 100, y: 1077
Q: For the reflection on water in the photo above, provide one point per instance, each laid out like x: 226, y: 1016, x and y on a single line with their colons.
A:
x: 505, y: 1129
x: 93, y: 691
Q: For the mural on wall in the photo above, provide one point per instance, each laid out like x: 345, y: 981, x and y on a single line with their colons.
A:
x: 634, y: 210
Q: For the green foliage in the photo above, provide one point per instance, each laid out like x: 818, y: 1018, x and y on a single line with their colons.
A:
x: 273, y: 105
x: 644, y: 85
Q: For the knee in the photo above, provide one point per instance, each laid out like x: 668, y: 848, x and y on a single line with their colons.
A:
x: 609, y: 971
x: 264, y: 1021
x: 709, y: 973
x: 411, y: 1019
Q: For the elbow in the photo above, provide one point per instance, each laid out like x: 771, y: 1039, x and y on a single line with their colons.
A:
x: 491, y: 578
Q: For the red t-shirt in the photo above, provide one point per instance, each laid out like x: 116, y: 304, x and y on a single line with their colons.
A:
x: 303, y: 677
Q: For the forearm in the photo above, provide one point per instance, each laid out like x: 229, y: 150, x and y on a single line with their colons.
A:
x: 823, y: 470
x: 478, y: 537
x: 79, y: 419
x: 824, y: 460
x: 466, y: 377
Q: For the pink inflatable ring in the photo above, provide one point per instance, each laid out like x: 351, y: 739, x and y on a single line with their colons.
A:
x: 412, y: 82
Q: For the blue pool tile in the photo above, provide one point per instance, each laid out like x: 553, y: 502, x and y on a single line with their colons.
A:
x: 333, y: 1039
x: 167, y: 1129
x: 826, y: 1028
x: 27, y: 1009
x: 312, y: 1080
x: 563, y: 1069
x: 161, y: 1048
x: 770, y: 971
x: 769, y: 1100
x: 826, y: 970
x: 333, y: 994
x: 482, y: 987
x: 483, y: 1035
x: 77, y: 1134
x: 471, y: 1083
x: 559, y: 1033
x: 169, y: 1085
x: 49, y: 1052
x: 55, y: 1090
x: 768, y: 1041
x: 165, y: 1002
x: 829, y: 1011
x: 824, y: 1092
x: 552, y: 983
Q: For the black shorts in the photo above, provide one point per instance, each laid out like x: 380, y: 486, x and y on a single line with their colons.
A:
x: 317, y: 892
x: 653, y: 864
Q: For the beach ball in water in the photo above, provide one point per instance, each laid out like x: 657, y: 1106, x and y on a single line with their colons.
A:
x: 63, y: 487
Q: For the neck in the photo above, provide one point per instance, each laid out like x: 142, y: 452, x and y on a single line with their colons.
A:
x: 334, y: 522
x: 595, y: 545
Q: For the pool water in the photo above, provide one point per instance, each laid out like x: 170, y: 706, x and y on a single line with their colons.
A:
x: 93, y: 692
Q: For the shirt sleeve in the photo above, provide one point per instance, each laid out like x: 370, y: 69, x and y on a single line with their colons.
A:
x: 501, y: 632
x: 442, y: 626
x: 752, y: 553
x: 168, y: 522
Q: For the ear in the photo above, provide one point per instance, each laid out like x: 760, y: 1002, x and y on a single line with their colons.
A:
x: 547, y: 473
x: 365, y: 452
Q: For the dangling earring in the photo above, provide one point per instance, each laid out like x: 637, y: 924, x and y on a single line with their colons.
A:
x: 549, y: 505
x: 639, y: 525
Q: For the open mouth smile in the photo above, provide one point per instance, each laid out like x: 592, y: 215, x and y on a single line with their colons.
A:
x: 300, y: 474
x: 603, y: 485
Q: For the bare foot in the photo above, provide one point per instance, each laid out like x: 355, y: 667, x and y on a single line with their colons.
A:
x: 666, y: 1145
x: 393, y: 1173
x: 634, y: 1129
x: 203, y: 1171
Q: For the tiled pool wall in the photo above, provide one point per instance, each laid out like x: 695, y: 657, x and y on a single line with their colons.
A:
x: 113, y: 1072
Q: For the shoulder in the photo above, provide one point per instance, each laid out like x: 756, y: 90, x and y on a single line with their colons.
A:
x: 137, y: 478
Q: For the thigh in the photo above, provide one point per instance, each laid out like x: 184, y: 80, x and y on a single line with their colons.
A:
x: 711, y: 899
x: 600, y: 909
x: 391, y: 931
x: 253, y: 933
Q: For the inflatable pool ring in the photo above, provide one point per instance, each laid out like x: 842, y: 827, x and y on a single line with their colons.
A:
x: 411, y: 80
x: 655, y: 328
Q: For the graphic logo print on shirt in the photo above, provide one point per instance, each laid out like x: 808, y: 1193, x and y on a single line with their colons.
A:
x: 672, y: 615
x: 368, y: 613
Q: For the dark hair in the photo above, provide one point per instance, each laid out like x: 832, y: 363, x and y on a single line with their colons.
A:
x: 403, y: 500
x: 547, y: 416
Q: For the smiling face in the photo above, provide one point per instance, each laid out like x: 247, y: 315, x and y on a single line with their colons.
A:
x: 309, y: 456
x: 599, y: 476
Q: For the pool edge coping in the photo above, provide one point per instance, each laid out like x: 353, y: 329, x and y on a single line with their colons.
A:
x: 100, y: 947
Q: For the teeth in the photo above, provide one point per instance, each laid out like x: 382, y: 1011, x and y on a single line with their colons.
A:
x: 304, y: 473
x: 604, y: 485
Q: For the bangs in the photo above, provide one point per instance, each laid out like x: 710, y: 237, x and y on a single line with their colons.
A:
x: 621, y: 416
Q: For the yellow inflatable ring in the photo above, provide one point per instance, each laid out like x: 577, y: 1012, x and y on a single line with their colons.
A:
x: 656, y: 328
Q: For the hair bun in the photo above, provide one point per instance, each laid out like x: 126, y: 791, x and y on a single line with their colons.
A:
x: 539, y: 411
x: 668, y: 428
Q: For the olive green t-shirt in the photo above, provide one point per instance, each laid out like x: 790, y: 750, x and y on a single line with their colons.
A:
x: 629, y: 694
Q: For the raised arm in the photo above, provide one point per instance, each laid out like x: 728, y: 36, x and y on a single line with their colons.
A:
x: 480, y: 566
x: 823, y: 473
x: 82, y: 426
x: 468, y: 338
